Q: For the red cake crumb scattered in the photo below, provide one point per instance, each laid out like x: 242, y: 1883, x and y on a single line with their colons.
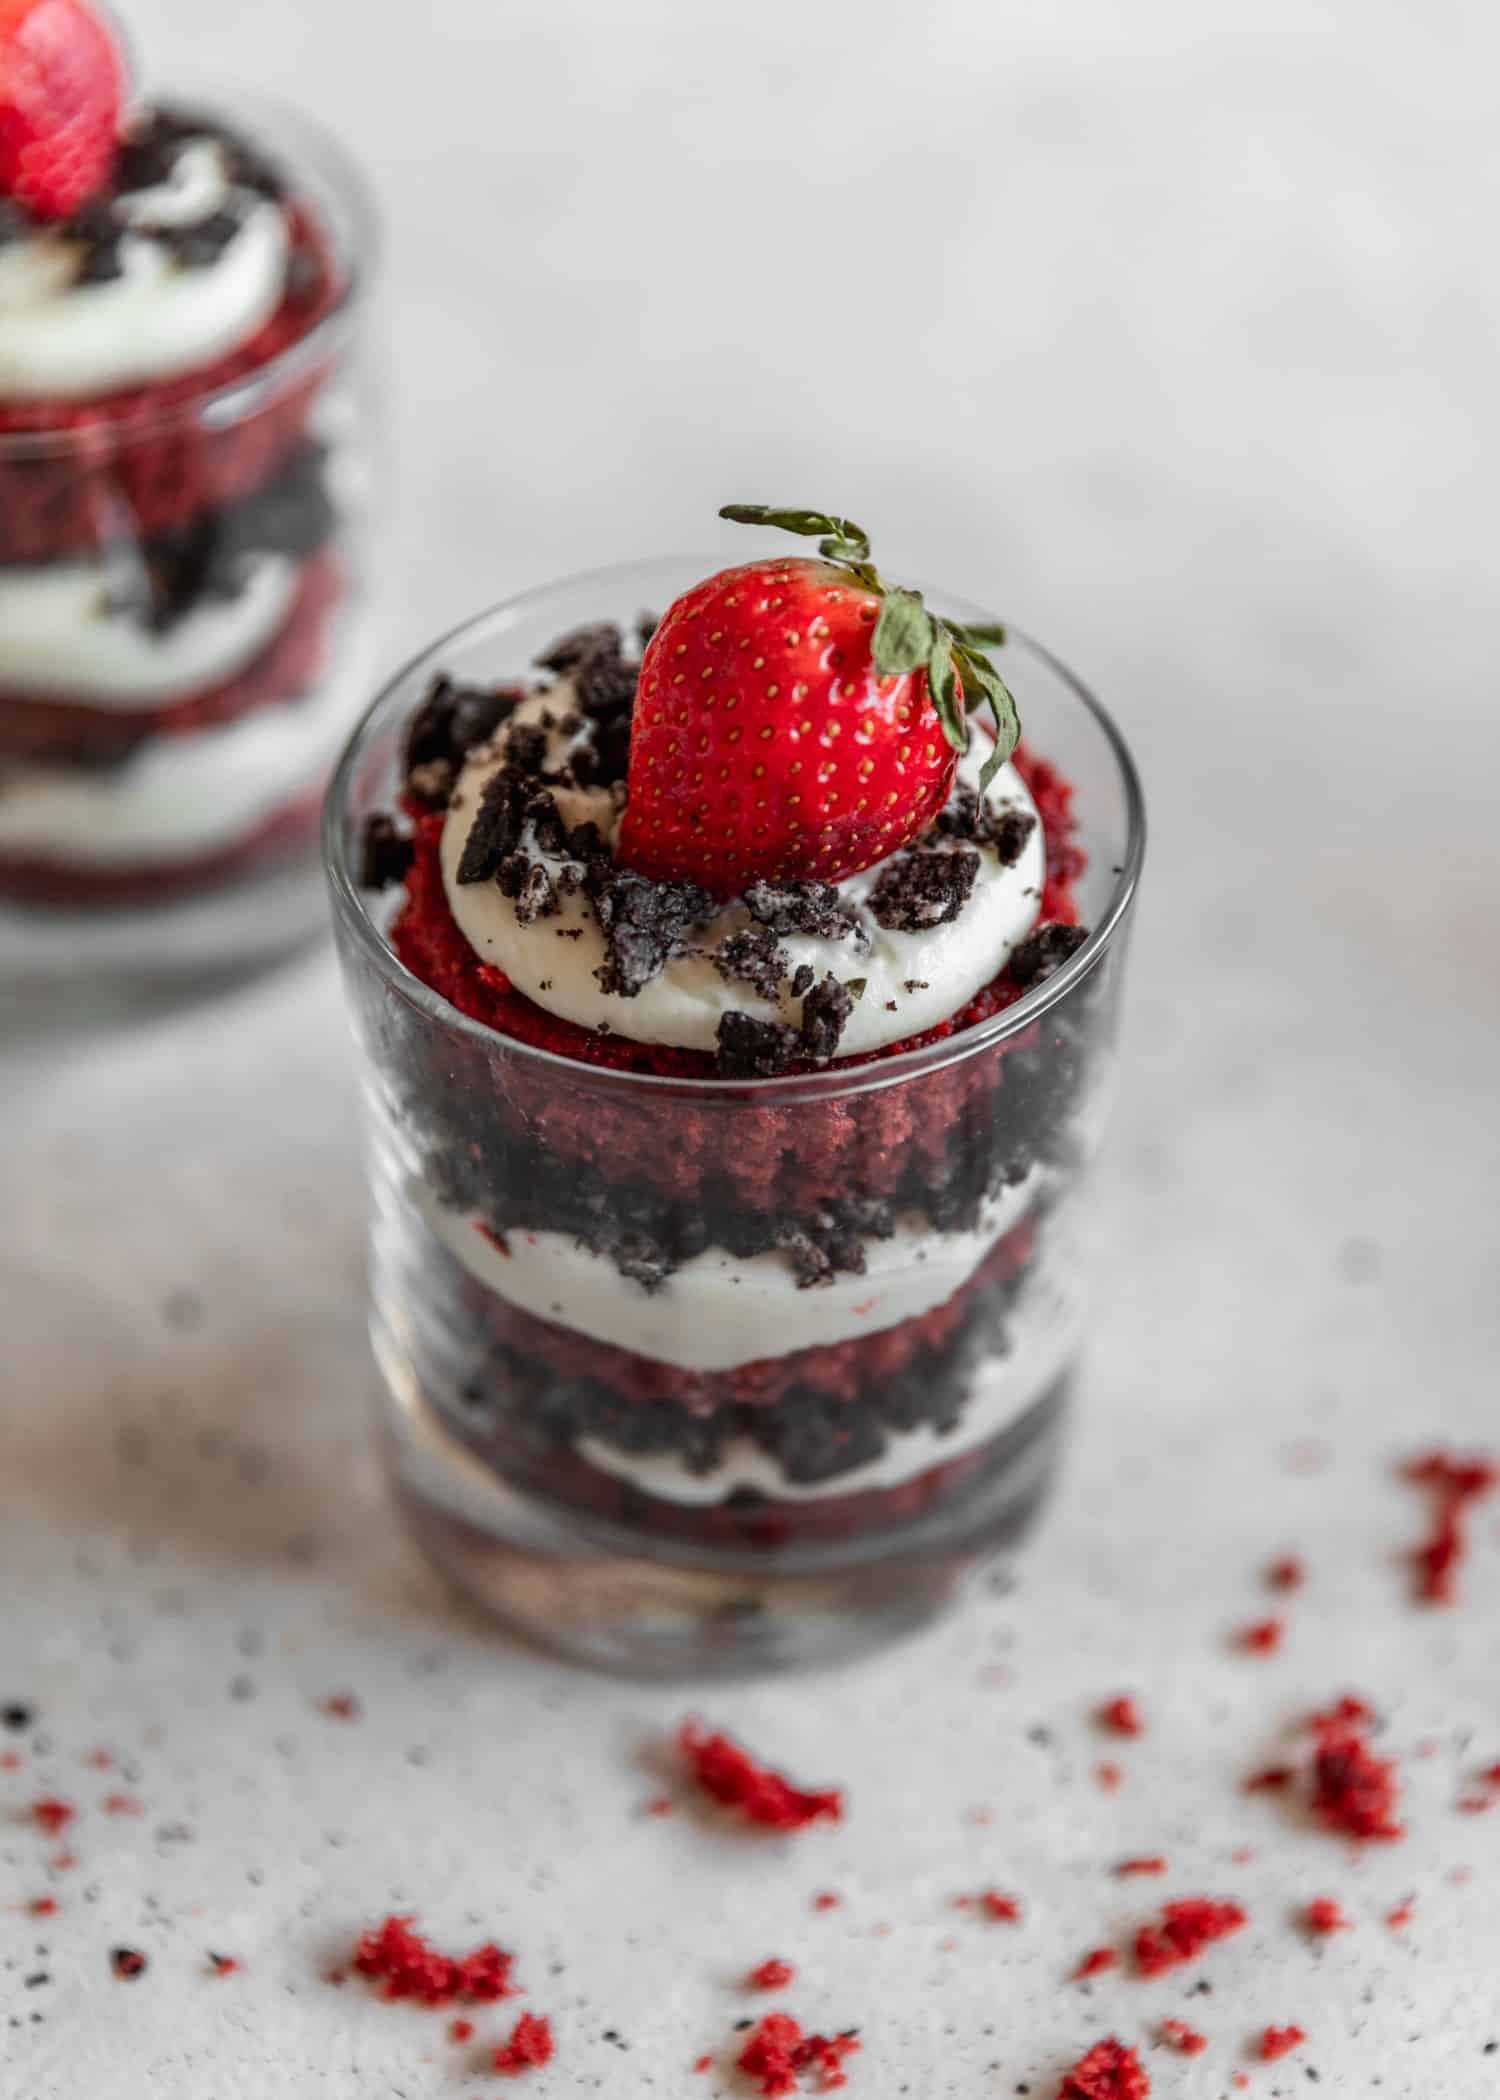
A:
x: 1270, y: 1779
x: 1005, y: 1910
x: 530, y: 2045
x: 127, y: 1963
x: 772, y: 1975
x: 732, y: 1776
x: 460, y: 2030
x: 778, y: 2052
x: 394, y: 1955
x: 661, y: 1805
x: 1263, y: 1638
x: 1455, y: 1484
x: 704, y: 2063
x: 51, y: 1814
x: 1122, y: 1716
x: 1146, y: 1863
x: 1110, y: 2071
x: 63, y: 1862
x: 1325, y: 1914
x: 1242, y: 1855
x: 1399, y: 1918
x: 42, y: 1907
x: 1187, y: 2041
x: 1095, y: 1962
x: 224, y: 1964
x: 1354, y: 1791
x: 1109, y: 1777
x: 1350, y: 1708
x: 340, y: 1706
x: 122, y: 1805
x: 100, y: 1761
x: 11, y: 1760
x: 1185, y: 1929
x: 827, y: 1899
x: 1280, y: 2041
x: 1286, y: 1573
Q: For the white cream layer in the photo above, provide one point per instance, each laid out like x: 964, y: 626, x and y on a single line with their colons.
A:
x: 60, y: 638
x: 180, y: 796
x: 912, y: 980
x: 717, y: 1311
x: 63, y: 340
x: 1044, y: 1332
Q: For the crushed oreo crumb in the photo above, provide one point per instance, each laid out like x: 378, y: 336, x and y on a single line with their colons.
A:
x: 385, y: 855
x: 754, y: 957
x: 575, y: 648
x: 1044, y: 951
x: 529, y: 886
x: 433, y: 782
x: 453, y: 719
x: 825, y: 1011
x: 644, y: 923
x: 802, y: 979
x: 751, y: 1049
x: 972, y: 817
x: 921, y: 890
x: 802, y: 907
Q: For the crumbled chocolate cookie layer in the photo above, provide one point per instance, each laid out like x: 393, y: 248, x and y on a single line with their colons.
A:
x: 644, y: 923
x: 974, y: 819
x: 755, y: 957
x: 752, y: 1049
x: 813, y: 908
x: 450, y: 722
x: 384, y: 855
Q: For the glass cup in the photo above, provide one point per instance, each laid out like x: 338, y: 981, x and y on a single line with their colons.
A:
x: 712, y: 1469
x: 160, y: 790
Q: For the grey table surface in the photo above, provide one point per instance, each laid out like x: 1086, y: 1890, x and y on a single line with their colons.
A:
x: 1170, y: 332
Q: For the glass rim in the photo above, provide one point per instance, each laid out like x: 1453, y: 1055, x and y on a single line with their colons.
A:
x: 879, y: 1069
x: 305, y: 146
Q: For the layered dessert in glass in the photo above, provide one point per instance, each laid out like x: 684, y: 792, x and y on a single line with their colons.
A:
x: 181, y: 465
x: 736, y: 994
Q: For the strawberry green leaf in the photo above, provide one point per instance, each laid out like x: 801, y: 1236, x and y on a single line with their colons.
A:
x: 904, y: 634
x: 982, y: 679
x: 811, y: 524
x: 942, y: 684
x: 979, y: 637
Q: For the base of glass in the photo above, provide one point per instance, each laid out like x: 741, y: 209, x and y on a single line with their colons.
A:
x: 601, y: 1595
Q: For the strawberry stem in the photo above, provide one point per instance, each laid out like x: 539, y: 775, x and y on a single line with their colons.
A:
x: 909, y: 638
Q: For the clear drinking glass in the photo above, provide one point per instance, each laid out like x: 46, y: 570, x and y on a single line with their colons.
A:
x: 170, y: 830
x: 705, y: 1474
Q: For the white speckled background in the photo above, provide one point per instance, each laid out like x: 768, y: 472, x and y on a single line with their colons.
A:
x: 1171, y: 331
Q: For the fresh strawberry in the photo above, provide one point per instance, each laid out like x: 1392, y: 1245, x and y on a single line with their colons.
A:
x: 798, y: 720
x: 62, y: 84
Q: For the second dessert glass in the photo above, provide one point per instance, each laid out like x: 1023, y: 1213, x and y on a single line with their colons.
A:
x: 716, y: 1470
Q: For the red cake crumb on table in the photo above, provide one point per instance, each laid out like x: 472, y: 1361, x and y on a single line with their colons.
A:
x: 704, y: 2063
x: 732, y: 1776
x: 1399, y: 1918
x: 772, y: 1975
x: 394, y: 1955
x: 1286, y: 1573
x: 122, y: 1805
x: 42, y: 1907
x: 1354, y: 1791
x: 827, y: 1899
x: 1183, y: 1932
x: 1263, y: 1638
x: 127, y: 1963
x: 530, y: 2045
x: 1110, y: 2071
x: 661, y: 1805
x: 1456, y: 1484
x: 1109, y: 1777
x: 340, y: 1706
x: 1005, y: 1910
x: 1270, y: 1779
x: 1095, y: 1962
x: 460, y: 2030
x: 1146, y: 1863
x: 1325, y: 1914
x: 1280, y: 2041
x: 1122, y: 1716
x: 99, y: 1761
x: 1187, y: 2041
x: 11, y: 1760
x: 51, y: 1814
x: 778, y: 2052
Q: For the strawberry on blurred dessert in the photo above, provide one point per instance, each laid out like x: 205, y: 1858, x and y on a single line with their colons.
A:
x: 796, y: 839
x: 171, y: 565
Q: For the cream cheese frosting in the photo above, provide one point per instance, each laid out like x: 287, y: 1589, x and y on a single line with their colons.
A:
x: 908, y: 980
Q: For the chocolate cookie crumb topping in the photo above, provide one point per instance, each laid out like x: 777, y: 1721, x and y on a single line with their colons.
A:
x: 529, y: 886
x: 495, y: 832
x: 971, y: 816
x: 920, y: 890
x: 432, y: 782
x: 754, y: 957
x: 802, y: 979
x: 576, y: 647
x: 1043, y: 952
x: 384, y: 856
x: 644, y: 923
x: 751, y: 1049
x: 825, y: 1010
x: 453, y: 719
x: 802, y: 907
